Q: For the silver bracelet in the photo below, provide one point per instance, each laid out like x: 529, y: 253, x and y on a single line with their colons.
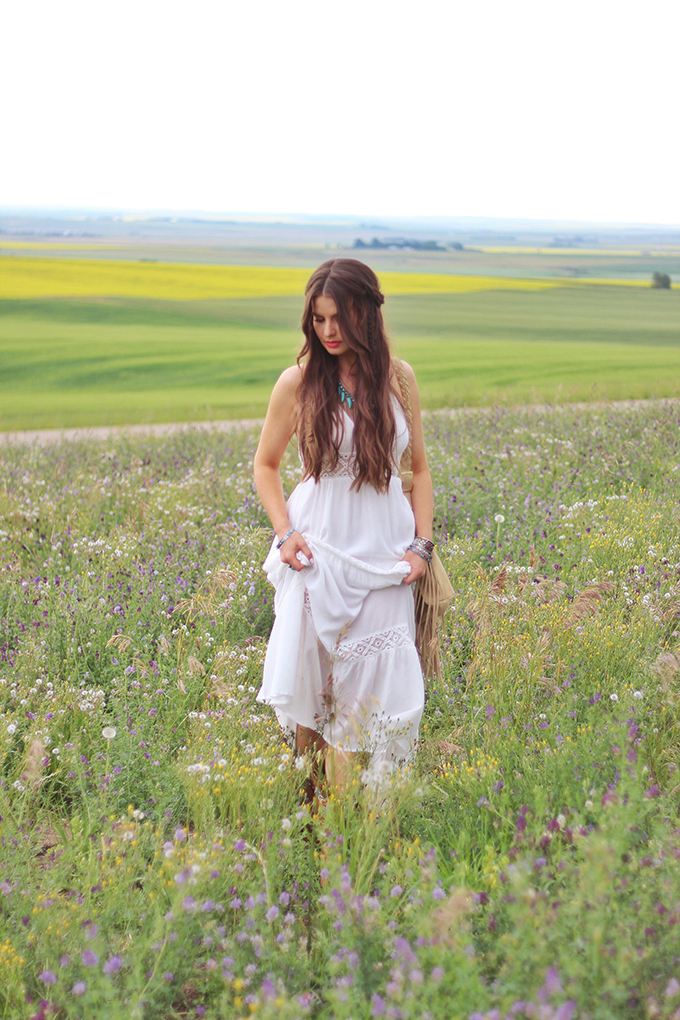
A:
x: 423, y: 547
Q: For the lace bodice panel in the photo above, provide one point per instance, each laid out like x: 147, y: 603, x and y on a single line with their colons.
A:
x: 345, y: 465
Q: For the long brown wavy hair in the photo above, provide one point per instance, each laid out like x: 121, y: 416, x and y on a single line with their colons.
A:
x: 355, y: 289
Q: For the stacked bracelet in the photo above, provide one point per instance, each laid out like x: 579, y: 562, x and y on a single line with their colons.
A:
x: 287, y: 535
x: 422, y: 547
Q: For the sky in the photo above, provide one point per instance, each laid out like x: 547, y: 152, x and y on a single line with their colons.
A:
x: 542, y: 110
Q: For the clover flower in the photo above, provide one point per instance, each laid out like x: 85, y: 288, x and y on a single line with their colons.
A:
x: 113, y: 965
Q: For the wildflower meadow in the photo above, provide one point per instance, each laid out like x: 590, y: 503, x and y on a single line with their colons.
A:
x: 157, y: 856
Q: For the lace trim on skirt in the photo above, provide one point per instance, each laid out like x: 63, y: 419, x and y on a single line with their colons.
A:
x: 374, y: 644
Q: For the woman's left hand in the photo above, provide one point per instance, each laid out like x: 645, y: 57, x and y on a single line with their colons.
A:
x: 417, y: 564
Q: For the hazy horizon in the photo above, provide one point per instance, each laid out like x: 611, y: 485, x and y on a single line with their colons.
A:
x: 368, y: 220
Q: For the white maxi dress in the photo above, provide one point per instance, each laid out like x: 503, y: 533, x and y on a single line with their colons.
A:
x: 341, y: 658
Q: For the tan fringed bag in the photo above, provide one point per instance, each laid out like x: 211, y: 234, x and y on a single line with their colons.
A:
x: 433, y: 592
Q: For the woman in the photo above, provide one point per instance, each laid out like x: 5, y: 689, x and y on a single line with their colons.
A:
x: 342, y: 670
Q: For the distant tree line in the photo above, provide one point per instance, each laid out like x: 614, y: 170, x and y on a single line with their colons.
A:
x: 403, y: 243
x: 661, y: 281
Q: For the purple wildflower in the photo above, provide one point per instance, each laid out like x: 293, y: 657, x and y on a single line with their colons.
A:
x: 113, y: 965
x: 379, y: 1006
x: 566, y: 1011
x: 79, y: 988
x: 404, y: 950
x: 672, y: 988
x: 89, y: 959
x: 47, y: 977
x: 553, y: 984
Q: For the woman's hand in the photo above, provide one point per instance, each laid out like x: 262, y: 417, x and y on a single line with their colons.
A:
x: 417, y: 564
x: 293, y: 545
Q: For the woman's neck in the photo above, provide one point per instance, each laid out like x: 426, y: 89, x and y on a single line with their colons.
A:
x: 347, y: 364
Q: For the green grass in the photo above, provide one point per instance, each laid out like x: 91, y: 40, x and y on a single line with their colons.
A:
x: 71, y: 363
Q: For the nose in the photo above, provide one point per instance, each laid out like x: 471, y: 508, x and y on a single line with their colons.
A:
x: 329, y: 327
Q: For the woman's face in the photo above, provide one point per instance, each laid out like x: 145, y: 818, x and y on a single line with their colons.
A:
x: 325, y: 318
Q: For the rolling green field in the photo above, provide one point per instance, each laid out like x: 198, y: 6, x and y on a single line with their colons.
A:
x: 129, y: 358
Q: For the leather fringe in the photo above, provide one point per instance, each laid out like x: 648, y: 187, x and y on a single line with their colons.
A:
x: 433, y: 596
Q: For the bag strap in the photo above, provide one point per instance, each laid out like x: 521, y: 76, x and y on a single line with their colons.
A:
x: 405, y: 392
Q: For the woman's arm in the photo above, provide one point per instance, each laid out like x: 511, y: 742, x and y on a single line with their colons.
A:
x: 277, y: 431
x: 421, y: 493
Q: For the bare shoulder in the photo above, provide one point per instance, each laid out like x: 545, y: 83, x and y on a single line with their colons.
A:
x: 286, y: 388
x: 289, y: 380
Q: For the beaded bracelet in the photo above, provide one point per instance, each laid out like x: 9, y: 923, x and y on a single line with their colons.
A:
x: 421, y: 551
x: 423, y: 556
x: 423, y: 547
x: 287, y: 535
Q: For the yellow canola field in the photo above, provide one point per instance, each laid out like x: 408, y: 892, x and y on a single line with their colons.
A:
x: 55, y: 246
x: 43, y: 278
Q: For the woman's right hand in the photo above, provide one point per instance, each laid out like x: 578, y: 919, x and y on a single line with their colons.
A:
x: 293, y: 545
